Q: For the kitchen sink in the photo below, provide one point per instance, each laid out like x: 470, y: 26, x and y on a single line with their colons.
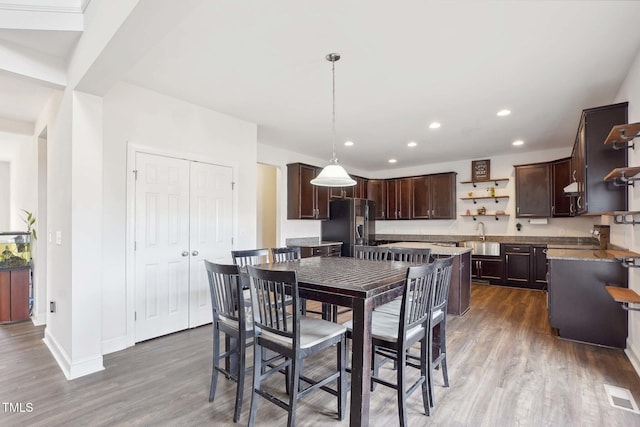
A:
x: 482, y: 248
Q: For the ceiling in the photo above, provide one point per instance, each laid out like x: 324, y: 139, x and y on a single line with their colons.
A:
x: 404, y: 65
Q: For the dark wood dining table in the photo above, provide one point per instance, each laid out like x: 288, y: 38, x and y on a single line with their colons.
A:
x: 361, y: 285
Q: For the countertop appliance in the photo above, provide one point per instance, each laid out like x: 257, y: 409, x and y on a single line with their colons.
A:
x: 352, y: 222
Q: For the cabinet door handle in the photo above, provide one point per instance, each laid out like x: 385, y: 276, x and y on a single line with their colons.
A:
x: 518, y: 209
x: 574, y: 175
x: 578, y: 202
x: 553, y: 210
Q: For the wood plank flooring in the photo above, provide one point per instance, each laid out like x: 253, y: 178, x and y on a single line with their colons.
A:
x: 506, y: 368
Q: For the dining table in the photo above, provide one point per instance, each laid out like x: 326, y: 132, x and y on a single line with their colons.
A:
x: 360, y: 285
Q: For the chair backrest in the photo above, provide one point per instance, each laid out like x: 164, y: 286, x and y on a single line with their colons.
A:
x: 417, y: 298
x: 416, y: 255
x: 443, y: 268
x: 269, y: 297
x: 285, y: 254
x: 250, y: 257
x: 374, y: 253
x: 226, y: 293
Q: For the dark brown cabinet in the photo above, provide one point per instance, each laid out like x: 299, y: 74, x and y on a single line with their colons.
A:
x: 377, y: 191
x: 14, y: 295
x: 592, y: 160
x: 305, y: 201
x: 434, y: 196
x: 580, y: 307
x: 533, y: 190
x: 517, y: 260
x: 539, y: 268
x: 489, y: 268
x: 358, y: 191
x: 399, y: 198
x: 561, y: 171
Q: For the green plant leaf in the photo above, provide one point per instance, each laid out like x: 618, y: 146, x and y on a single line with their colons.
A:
x: 33, y: 233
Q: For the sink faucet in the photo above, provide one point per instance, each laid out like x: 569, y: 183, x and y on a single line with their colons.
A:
x: 478, y: 227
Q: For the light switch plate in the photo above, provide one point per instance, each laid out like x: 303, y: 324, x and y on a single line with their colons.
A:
x: 58, y: 237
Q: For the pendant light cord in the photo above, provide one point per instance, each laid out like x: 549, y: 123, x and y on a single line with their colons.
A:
x: 333, y: 116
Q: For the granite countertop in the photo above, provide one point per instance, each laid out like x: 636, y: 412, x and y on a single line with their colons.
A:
x: 542, y: 240
x: 309, y: 242
x: 435, y: 248
x: 608, y: 255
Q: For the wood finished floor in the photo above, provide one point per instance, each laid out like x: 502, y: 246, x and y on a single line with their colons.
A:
x: 505, y: 366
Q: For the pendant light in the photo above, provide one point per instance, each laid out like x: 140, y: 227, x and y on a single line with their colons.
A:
x: 333, y: 175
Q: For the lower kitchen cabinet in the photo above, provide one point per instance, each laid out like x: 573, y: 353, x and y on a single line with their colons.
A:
x: 321, y: 250
x: 540, y: 267
x: 487, y: 268
x: 579, y: 306
x: 517, y: 261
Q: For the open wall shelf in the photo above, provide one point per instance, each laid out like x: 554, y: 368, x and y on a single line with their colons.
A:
x: 621, y: 135
x: 475, y: 198
x: 496, y: 216
x: 495, y: 181
x: 623, y: 176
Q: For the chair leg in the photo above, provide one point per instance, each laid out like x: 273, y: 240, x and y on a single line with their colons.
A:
x: 424, y: 357
x: 375, y: 366
x: 342, y: 381
x: 293, y: 396
x: 215, y: 364
x: 240, y: 386
x: 443, y: 351
x: 401, y: 390
x: 257, y: 372
x: 432, y: 401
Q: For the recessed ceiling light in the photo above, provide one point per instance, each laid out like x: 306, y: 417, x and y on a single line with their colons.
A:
x: 348, y: 144
x: 518, y: 142
x: 503, y: 113
x: 392, y: 160
x: 434, y: 125
x: 412, y: 144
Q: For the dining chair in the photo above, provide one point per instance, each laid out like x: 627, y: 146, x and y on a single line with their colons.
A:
x: 288, y: 253
x: 438, y: 327
x: 231, y: 316
x: 417, y: 255
x: 394, y: 335
x: 294, y: 336
x: 246, y: 257
x: 374, y: 253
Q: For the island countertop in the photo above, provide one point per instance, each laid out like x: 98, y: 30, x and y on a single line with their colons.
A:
x: 608, y: 255
x: 435, y: 248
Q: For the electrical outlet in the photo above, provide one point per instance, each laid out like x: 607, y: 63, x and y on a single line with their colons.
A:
x: 52, y: 306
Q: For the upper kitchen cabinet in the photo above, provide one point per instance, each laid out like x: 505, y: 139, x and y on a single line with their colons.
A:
x: 399, y: 198
x: 533, y: 190
x: 358, y: 191
x: 434, y: 196
x: 562, y: 204
x: 592, y: 160
x: 377, y: 191
x: 305, y: 201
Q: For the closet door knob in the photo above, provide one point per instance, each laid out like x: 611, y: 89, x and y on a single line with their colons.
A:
x: 195, y: 253
x: 185, y: 253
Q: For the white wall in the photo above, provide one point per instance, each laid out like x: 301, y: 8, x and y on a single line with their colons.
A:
x: 5, y: 195
x: 267, y: 208
x: 501, y: 167
x: 167, y: 125
x: 628, y: 235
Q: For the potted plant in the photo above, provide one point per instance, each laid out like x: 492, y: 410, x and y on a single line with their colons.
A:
x: 29, y: 220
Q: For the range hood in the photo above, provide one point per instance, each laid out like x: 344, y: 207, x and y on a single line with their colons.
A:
x: 571, y: 189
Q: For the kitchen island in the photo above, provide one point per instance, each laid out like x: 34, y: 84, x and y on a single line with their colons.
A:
x: 460, y: 289
x: 579, y: 306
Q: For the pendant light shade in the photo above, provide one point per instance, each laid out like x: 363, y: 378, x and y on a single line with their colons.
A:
x: 333, y: 175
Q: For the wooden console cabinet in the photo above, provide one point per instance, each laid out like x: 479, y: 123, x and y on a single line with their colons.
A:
x: 14, y: 294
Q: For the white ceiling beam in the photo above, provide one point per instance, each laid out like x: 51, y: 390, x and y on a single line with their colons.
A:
x: 16, y: 126
x: 24, y: 63
x: 47, y: 15
x: 147, y: 23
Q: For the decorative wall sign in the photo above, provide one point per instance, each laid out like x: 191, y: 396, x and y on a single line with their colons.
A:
x: 481, y: 170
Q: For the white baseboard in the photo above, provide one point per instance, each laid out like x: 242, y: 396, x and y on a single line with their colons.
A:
x: 634, y: 356
x: 39, y: 319
x: 71, y: 369
x: 114, y: 344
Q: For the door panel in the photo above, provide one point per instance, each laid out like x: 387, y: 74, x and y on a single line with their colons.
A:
x: 162, y: 235
x: 210, y: 232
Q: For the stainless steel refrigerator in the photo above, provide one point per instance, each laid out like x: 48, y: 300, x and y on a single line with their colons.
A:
x: 352, y: 222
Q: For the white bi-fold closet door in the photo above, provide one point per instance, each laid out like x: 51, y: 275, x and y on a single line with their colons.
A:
x: 183, y: 215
